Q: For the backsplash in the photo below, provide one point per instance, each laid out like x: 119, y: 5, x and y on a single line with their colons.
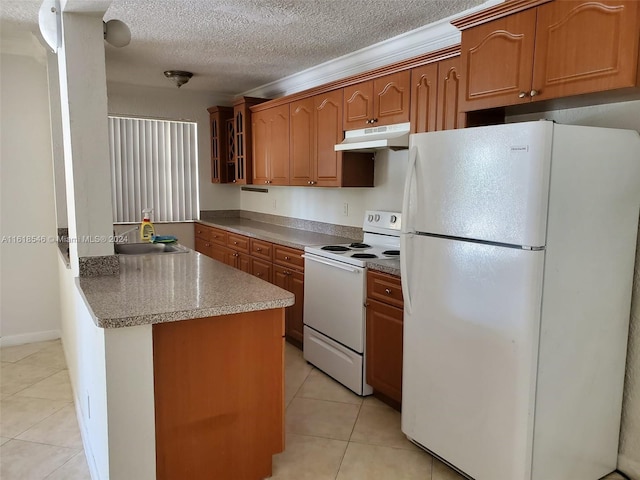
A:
x: 290, y: 222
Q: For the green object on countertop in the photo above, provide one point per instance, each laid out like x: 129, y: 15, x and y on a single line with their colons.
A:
x: 164, y: 239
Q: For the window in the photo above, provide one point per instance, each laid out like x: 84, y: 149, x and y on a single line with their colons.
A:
x: 154, y: 164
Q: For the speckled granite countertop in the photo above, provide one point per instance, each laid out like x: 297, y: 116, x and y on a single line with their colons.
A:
x: 390, y: 266
x: 289, y: 237
x: 172, y: 287
x: 295, y: 238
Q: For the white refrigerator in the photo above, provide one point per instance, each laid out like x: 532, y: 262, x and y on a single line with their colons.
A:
x: 518, y: 251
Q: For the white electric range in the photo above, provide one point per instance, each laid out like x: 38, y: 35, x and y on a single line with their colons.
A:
x: 335, y: 288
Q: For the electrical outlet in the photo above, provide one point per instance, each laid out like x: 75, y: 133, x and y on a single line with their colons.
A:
x: 345, y: 209
x: 274, y: 204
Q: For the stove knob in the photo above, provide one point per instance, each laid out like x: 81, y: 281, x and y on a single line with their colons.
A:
x: 394, y: 219
x: 370, y: 218
x: 377, y: 217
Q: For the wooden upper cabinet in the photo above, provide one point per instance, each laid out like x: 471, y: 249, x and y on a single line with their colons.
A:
x: 243, y: 138
x: 382, y: 101
x: 271, y: 146
x: 219, y: 118
x: 301, y: 147
x: 328, y: 132
x: 424, y: 98
x: 358, y: 106
x: 584, y: 47
x: 392, y: 99
x: 435, y: 96
x: 498, y: 60
x: 450, y: 79
x: 557, y: 49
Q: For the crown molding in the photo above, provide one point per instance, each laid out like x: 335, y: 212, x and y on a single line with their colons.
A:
x: 435, y: 36
x: 501, y: 10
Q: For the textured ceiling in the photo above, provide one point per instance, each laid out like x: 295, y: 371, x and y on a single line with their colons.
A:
x: 232, y: 46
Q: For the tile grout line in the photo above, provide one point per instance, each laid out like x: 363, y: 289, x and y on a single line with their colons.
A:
x: 349, y: 440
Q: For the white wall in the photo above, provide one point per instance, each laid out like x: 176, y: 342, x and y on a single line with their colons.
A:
x: 616, y: 115
x: 29, y: 293
x: 327, y: 204
x: 172, y: 103
x: 84, y: 348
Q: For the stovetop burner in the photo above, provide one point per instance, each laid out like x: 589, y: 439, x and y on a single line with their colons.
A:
x: 364, y: 255
x: 336, y: 248
x: 391, y: 253
x: 359, y: 245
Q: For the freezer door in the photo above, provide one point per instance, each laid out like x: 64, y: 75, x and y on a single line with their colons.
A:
x: 485, y: 183
x: 470, y: 353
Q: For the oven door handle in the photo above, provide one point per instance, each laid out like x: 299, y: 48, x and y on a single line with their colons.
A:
x: 331, y: 264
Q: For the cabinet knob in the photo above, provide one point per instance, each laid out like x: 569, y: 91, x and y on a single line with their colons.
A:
x: 375, y: 120
x: 387, y: 291
x: 234, y: 181
x: 259, y: 274
x: 258, y: 249
x: 286, y: 258
x: 308, y: 183
x: 235, y: 254
x: 235, y: 243
x: 266, y: 181
x: 207, y: 244
x: 533, y: 93
x: 522, y: 94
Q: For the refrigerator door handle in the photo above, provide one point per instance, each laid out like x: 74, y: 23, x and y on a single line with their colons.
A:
x: 413, y: 155
x: 404, y: 274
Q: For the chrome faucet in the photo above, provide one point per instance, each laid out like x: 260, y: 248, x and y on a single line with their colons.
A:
x: 127, y: 232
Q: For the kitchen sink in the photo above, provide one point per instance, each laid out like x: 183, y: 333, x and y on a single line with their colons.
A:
x: 148, y: 248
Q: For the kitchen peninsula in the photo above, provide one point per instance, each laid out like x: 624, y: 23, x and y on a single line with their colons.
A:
x: 218, y: 360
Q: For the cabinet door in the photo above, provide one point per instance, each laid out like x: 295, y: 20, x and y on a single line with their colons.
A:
x: 260, y: 125
x: 384, y: 349
x: 293, y: 282
x: 498, y: 60
x: 203, y: 246
x: 279, y: 145
x: 222, y: 254
x: 328, y: 133
x: 261, y: 269
x: 242, y: 262
x: 424, y: 95
x: 301, y: 148
x: 391, y: 98
x: 295, y: 318
x: 358, y: 106
x: 450, y: 83
x: 219, y: 118
x: 584, y: 47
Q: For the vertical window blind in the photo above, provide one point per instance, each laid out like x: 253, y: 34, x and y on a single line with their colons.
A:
x: 154, y: 164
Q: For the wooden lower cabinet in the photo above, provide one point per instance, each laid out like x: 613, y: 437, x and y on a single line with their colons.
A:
x: 292, y: 281
x: 219, y: 396
x: 277, y: 264
x: 384, y: 337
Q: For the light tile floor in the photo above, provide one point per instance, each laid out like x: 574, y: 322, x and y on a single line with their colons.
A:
x: 331, y: 433
x: 39, y: 432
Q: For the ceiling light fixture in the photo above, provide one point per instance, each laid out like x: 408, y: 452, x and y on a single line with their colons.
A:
x: 179, y: 77
x: 116, y: 33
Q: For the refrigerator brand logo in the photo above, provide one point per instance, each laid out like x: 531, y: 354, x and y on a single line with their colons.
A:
x: 520, y: 148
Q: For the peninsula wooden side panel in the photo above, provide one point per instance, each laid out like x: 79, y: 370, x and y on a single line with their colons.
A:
x: 219, y: 396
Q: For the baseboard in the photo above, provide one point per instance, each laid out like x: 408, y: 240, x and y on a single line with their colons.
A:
x: 11, y: 340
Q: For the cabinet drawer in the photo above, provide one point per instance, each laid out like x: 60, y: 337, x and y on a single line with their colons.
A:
x: 203, y: 232
x: 384, y: 288
x: 261, y: 249
x: 238, y: 242
x: 218, y: 236
x: 288, y: 257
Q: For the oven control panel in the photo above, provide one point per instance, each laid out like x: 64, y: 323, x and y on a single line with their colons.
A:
x: 381, y: 221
